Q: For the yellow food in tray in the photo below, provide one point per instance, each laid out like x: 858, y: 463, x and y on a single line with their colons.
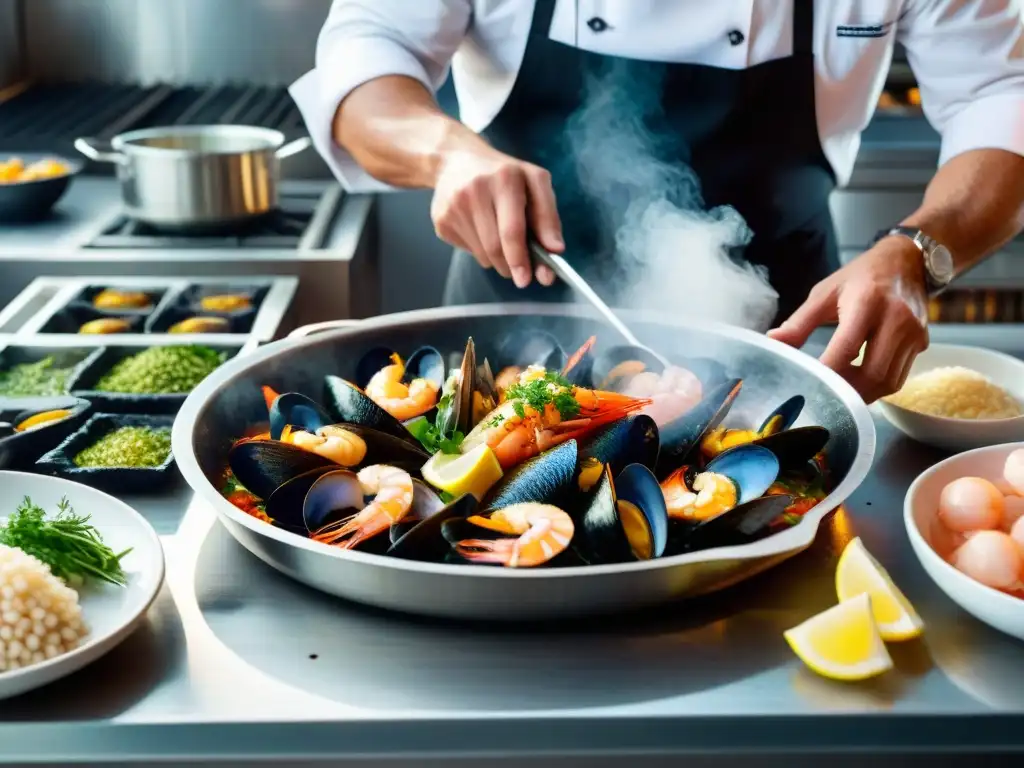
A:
x: 201, y: 325
x: 225, y: 303
x: 14, y: 170
x: 105, y: 325
x: 110, y: 298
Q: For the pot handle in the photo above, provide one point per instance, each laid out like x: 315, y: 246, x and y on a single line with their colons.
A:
x: 327, y: 325
x: 294, y: 147
x: 87, y: 148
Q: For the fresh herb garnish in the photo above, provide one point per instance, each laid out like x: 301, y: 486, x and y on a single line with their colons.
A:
x: 432, y: 439
x: 537, y: 394
x: 67, y: 543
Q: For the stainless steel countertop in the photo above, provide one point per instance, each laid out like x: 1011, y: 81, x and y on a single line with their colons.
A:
x: 238, y: 662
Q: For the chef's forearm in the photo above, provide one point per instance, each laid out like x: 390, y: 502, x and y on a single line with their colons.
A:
x: 974, y: 204
x: 394, y: 129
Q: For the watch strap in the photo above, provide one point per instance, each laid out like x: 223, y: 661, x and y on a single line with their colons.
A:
x: 924, y: 244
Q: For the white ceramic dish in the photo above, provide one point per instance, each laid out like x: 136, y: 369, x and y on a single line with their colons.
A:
x: 111, y: 612
x: 963, y: 434
x: 920, y: 513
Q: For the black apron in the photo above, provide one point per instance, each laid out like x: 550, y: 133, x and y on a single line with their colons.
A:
x: 750, y: 136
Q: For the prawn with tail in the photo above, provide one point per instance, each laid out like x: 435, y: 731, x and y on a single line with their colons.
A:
x: 536, y: 534
x: 333, y: 442
x: 403, y: 401
x: 392, y: 492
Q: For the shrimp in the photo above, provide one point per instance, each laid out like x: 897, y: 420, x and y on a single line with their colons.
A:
x: 401, y: 400
x: 333, y: 442
x: 710, y: 495
x: 392, y: 491
x: 673, y: 392
x: 516, y: 431
x: 541, y: 531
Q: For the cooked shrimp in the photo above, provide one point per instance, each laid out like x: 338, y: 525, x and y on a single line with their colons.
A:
x: 516, y: 431
x: 401, y: 400
x: 506, y: 378
x: 542, y: 532
x: 392, y: 491
x: 710, y: 495
x: 672, y: 393
x: 332, y: 442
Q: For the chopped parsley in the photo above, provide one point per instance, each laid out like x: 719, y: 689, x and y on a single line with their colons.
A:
x: 549, y: 389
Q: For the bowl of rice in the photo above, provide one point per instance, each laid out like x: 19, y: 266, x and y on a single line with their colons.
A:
x: 958, y: 398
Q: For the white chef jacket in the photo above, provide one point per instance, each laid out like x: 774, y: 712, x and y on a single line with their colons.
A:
x: 967, y: 56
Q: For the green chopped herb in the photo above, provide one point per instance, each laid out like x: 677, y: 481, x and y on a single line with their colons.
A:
x: 550, y: 389
x: 128, y: 447
x: 40, y: 379
x: 431, y: 438
x: 162, y: 371
x: 67, y: 543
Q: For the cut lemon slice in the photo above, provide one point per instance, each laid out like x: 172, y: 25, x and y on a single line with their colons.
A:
x: 858, y: 573
x: 474, y: 472
x: 842, y: 643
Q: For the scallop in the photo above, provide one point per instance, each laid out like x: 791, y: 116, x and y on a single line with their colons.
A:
x: 1013, y: 471
x: 971, y: 504
x: 991, y: 558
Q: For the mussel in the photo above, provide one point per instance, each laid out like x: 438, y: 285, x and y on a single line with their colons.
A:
x: 424, y: 363
x: 680, y: 437
x: 297, y: 411
x: 633, y: 440
x: 793, y: 447
x: 285, y: 505
x: 263, y: 466
x: 468, y: 395
x: 347, y: 404
x: 544, y: 479
x: 733, y: 478
x: 524, y: 535
x: 740, y: 525
x: 624, y: 519
x: 615, y: 367
x: 524, y: 348
x: 424, y: 540
x: 425, y: 504
x: 27, y: 421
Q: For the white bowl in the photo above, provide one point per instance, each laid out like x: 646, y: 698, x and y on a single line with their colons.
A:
x: 920, y: 514
x: 963, y: 434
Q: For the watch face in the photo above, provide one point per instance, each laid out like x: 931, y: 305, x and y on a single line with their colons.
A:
x: 940, y: 264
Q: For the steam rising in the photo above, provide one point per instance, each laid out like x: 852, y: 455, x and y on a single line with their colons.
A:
x: 672, y: 255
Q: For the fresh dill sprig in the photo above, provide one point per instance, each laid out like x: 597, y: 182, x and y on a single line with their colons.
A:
x: 549, y: 389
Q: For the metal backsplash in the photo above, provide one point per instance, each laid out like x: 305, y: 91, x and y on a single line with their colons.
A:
x: 268, y: 42
x: 10, y: 44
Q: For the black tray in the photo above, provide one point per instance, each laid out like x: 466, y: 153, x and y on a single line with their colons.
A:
x: 71, y: 318
x: 84, y: 298
x: 83, y: 380
x: 190, y: 297
x: 60, y: 461
x: 22, y: 449
x: 162, y: 320
x: 75, y: 358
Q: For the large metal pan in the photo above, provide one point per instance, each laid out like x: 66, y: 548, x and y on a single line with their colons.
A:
x: 197, y: 178
x: 229, y: 401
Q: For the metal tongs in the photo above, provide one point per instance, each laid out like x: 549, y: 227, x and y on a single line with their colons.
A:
x: 573, y: 278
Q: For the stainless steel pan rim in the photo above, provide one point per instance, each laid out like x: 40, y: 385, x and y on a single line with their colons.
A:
x: 793, y: 539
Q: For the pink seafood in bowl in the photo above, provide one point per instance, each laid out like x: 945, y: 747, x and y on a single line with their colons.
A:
x: 983, y: 522
x: 673, y: 392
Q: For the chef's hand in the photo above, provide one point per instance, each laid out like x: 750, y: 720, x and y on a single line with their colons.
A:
x: 878, y: 298
x: 484, y: 201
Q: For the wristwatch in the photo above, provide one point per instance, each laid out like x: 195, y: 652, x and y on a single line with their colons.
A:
x: 938, y: 261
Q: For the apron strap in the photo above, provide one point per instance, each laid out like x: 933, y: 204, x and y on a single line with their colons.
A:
x: 803, y: 27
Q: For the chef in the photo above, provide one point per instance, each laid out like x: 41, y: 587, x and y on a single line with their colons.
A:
x: 764, y: 99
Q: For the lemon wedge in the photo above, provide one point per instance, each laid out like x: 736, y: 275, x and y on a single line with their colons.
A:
x: 842, y: 643
x: 474, y: 472
x: 858, y: 573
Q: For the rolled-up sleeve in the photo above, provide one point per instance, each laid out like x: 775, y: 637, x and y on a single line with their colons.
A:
x: 366, y: 39
x: 968, y: 59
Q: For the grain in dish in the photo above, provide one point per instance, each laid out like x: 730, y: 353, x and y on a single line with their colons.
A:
x: 955, y: 392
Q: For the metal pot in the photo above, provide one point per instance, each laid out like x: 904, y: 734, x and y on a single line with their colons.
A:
x: 230, y: 401
x: 197, y: 177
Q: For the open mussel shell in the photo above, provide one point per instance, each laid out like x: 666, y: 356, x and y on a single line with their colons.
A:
x: 531, y: 347
x: 425, y: 540
x: 332, y: 497
x: 383, y: 448
x: 284, y: 506
x: 298, y: 411
x: 680, y: 437
x: 425, y: 503
x: 544, y: 479
x: 795, y: 447
x: 623, y: 520
x: 349, y: 405
x: 783, y: 417
x: 615, y: 366
x: 423, y: 363
x: 752, y: 468
x: 741, y: 525
x: 263, y: 466
x: 6, y: 429
x: 633, y: 440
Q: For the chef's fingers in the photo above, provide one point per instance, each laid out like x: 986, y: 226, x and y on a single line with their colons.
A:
x: 855, y: 325
x: 457, y: 229
x: 819, y: 308
x: 883, y: 359
x: 510, y: 206
x: 485, y: 220
x: 543, y: 210
x: 545, y: 275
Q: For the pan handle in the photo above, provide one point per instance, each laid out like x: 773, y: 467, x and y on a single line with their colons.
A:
x: 294, y: 147
x: 327, y: 325
x: 87, y: 148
